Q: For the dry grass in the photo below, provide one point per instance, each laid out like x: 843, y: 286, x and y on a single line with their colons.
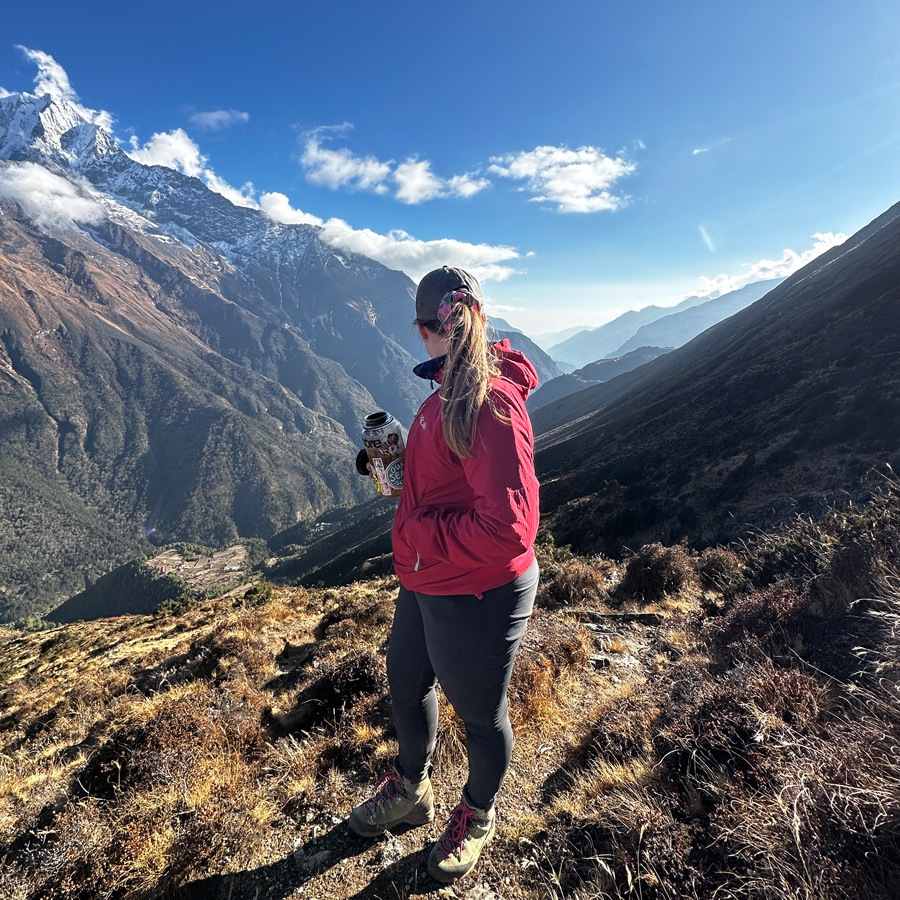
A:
x: 571, y: 580
x: 190, y: 755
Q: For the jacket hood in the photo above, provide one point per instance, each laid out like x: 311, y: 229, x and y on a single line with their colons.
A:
x: 514, y: 367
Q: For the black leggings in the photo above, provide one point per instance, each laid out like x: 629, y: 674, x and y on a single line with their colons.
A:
x: 468, y: 644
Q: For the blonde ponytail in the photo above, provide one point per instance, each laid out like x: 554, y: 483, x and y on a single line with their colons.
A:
x: 467, y: 373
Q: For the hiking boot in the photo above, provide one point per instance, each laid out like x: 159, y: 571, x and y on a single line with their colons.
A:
x: 465, y: 836
x: 396, y: 801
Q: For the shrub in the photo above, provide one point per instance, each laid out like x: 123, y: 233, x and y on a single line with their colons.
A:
x: 655, y: 571
x: 568, y: 579
x: 847, y: 545
x: 722, y: 569
x: 178, y: 605
x: 579, y: 581
x: 796, y: 551
x: 259, y: 595
x: 771, y: 617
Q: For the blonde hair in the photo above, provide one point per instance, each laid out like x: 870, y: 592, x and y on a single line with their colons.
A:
x: 470, y: 365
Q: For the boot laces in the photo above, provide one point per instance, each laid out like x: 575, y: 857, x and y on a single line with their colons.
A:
x: 388, y: 786
x: 462, y: 820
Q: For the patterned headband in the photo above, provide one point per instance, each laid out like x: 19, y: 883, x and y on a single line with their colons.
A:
x: 450, y: 299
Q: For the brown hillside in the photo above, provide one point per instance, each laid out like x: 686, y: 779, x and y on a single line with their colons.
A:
x: 688, y: 726
x: 136, y: 399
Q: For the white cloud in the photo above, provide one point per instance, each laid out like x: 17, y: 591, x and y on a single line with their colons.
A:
x: 177, y: 150
x: 342, y: 168
x: 411, y: 181
x: 172, y: 149
x: 278, y: 208
x: 417, y: 183
x: 765, y: 269
x: 218, y: 119
x: 397, y: 249
x: 400, y: 250
x: 466, y: 185
x: 50, y: 201
x: 243, y: 196
x: 52, y: 79
x: 4, y: 93
x: 697, y: 151
x: 503, y: 308
x: 575, y: 180
x: 707, y: 239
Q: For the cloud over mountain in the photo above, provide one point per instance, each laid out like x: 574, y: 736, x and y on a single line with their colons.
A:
x: 173, y: 149
x: 397, y: 249
x: 50, y: 201
x: 52, y: 79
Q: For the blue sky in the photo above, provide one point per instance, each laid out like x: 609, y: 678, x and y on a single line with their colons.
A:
x: 584, y: 157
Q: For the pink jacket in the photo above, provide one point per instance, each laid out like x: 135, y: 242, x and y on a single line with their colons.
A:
x: 465, y: 526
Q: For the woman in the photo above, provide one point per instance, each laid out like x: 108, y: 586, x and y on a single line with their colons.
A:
x: 463, y: 551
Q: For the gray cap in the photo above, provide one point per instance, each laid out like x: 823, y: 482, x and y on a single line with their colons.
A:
x: 436, y: 284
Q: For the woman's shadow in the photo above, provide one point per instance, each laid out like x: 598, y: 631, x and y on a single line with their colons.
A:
x: 280, y: 879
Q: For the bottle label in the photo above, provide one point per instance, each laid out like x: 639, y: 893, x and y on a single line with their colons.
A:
x: 383, y: 441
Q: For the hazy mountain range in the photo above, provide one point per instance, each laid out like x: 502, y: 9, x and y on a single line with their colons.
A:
x: 655, y: 326
x: 679, y: 327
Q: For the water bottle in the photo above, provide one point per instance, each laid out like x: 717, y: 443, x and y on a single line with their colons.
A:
x: 385, y: 448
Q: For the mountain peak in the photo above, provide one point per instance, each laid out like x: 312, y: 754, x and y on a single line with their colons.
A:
x: 44, y: 128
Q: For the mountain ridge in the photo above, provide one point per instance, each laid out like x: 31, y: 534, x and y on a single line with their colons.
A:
x: 596, y: 343
x: 799, y: 396
x: 678, y: 328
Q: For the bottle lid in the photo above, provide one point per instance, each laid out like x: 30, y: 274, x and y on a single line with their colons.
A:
x: 378, y: 419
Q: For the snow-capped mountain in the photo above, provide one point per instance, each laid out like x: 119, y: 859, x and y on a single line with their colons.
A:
x: 349, y: 307
x: 171, y: 365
